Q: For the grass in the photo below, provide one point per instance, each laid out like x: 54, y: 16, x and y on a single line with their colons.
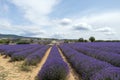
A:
x: 25, y: 68
x: 3, y: 75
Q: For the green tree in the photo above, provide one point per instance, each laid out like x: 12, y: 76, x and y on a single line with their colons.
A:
x: 4, y: 41
x: 66, y: 41
x: 92, y: 39
x: 23, y: 42
x: 80, y: 40
x: 85, y: 40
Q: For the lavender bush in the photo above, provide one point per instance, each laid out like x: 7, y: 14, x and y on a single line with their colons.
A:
x: 34, y: 59
x: 109, y: 57
x: 17, y: 48
x: 8, y: 50
x: 110, y: 73
x: 18, y: 56
x: 84, y: 65
x: 54, y: 68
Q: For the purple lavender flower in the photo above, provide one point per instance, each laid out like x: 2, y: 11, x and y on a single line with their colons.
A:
x: 109, y: 57
x: 23, y: 54
x: 54, y: 68
x: 84, y: 65
x: 110, y: 73
x: 35, y: 58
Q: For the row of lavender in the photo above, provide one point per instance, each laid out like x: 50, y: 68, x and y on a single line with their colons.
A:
x: 31, y: 53
x: 54, y: 68
x: 8, y: 50
x: 88, y: 67
x: 105, y: 46
x: 109, y: 47
x: 110, y: 57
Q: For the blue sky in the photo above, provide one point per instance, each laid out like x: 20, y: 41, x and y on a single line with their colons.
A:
x: 61, y: 18
x: 73, y: 7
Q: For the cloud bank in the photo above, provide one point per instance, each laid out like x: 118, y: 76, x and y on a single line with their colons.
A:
x: 104, y: 24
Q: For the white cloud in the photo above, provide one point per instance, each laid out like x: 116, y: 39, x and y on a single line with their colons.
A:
x: 4, y: 22
x: 99, y: 21
x: 65, y: 21
x: 82, y: 26
x: 29, y: 30
x: 110, y: 33
x: 36, y: 10
x: 57, y: 35
x: 5, y: 25
x: 110, y: 19
x: 104, y: 29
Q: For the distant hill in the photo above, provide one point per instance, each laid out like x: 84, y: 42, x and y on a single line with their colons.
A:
x: 10, y: 36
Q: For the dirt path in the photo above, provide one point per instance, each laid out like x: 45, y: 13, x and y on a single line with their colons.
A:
x: 8, y: 70
x: 11, y: 70
x: 36, y: 70
x: 72, y: 75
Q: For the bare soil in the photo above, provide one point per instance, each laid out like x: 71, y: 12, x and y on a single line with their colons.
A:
x: 11, y: 70
x: 72, y: 75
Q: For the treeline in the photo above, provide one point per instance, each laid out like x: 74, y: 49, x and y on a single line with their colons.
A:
x: 91, y: 39
x: 49, y: 41
x: 24, y: 41
x: 4, y: 41
x: 107, y: 41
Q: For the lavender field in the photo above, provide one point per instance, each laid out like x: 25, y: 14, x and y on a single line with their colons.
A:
x: 66, y: 61
x: 59, y: 40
